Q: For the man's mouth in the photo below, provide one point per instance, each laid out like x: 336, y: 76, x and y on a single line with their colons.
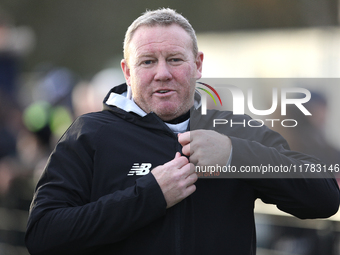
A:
x: 163, y: 91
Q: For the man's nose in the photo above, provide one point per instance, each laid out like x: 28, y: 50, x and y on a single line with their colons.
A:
x: 163, y: 72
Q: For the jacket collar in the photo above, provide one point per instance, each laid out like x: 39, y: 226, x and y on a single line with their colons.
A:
x: 124, y: 101
x: 119, y: 100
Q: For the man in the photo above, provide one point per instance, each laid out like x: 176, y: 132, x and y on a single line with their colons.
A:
x: 122, y: 181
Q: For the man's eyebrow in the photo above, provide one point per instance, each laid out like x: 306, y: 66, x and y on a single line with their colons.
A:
x: 152, y: 55
x: 176, y: 53
x: 146, y: 55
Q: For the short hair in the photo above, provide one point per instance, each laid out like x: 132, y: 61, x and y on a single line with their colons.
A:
x: 160, y: 17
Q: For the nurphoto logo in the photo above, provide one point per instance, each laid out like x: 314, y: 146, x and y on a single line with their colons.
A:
x: 240, y: 100
x: 204, y: 99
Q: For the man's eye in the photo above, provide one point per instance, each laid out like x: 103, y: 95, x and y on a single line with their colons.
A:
x: 175, y: 60
x: 147, y: 62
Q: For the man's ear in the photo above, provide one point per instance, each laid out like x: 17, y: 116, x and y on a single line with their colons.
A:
x: 126, y: 70
x: 199, y: 64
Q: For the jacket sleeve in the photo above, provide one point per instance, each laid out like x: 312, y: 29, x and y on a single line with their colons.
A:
x: 64, y: 220
x: 304, y: 195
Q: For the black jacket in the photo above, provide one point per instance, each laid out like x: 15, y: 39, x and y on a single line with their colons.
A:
x: 91, y: 199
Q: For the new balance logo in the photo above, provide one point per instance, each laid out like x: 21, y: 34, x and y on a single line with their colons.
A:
x: 141, y: 169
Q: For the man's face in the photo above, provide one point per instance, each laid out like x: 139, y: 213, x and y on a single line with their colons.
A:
x: 161, y: 70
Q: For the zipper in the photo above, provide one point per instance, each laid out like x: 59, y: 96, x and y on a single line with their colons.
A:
x: 177, y: 210
x: 178, y: 223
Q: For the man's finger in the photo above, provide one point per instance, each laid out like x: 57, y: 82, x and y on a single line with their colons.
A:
x: 189, y: 190
x: 186, y: 150
x: 188, y: 170
x: 192, y: 178
x: 177, y: 155
x: 184, y: 138
x: 178, y: 162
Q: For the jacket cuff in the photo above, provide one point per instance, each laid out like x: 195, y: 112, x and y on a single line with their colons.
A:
x: 153, y: 192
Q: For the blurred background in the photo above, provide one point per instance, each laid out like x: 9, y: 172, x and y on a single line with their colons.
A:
x: 59, y: 58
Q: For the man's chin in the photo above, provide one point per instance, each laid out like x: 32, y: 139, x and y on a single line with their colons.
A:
x: 169, y: 112
x: 169, y: 115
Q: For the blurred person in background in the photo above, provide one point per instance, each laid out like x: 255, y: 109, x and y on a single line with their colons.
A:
x: 87, y: 96
x: 123, y: 180
x: 15, y: 174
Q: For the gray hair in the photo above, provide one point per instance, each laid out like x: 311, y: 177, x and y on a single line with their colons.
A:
x: 160, y: 17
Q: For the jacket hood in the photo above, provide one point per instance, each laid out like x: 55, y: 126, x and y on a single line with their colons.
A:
x: 121, y: 97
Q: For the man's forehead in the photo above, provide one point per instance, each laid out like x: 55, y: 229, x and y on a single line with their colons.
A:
x: 172, y: 36
x: 159, y: 30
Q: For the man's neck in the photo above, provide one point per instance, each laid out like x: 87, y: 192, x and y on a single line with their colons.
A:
x: 179, y: 119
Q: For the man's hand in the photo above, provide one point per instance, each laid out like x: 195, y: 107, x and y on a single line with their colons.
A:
x: 176, y: 179
x: 205, y: 147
